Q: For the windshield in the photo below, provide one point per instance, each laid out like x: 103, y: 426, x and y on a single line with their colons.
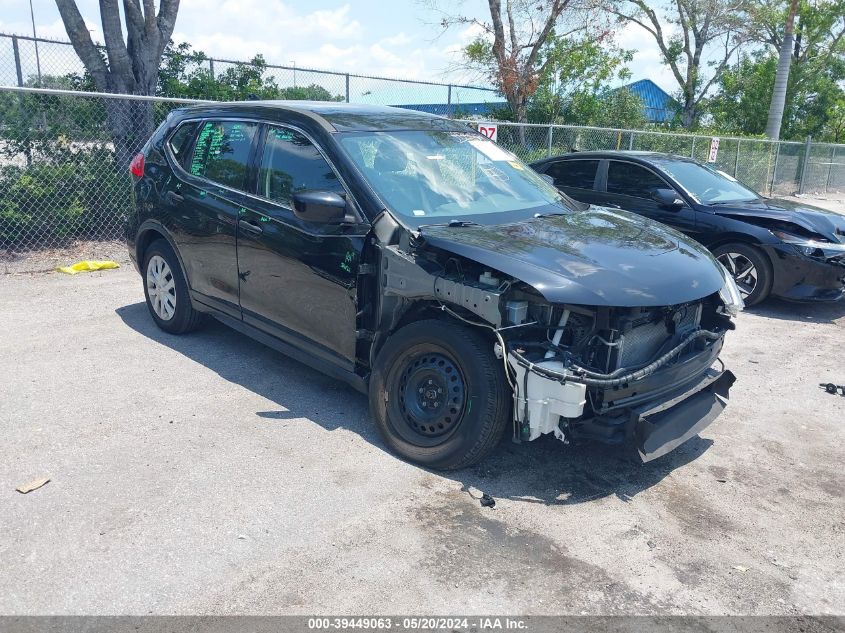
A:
x: 707, y: 185
x: 434, y: 177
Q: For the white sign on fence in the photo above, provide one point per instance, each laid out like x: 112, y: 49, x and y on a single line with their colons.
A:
x: 490, y: 130
x: 714, y: 150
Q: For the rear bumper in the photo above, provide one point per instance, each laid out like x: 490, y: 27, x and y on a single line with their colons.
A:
x: 663, y: 427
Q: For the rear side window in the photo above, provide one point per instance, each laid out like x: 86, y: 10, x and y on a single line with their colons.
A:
x: 292, y: 163
x: 221, y: 152
x: 580, y: 174
x: 180, y: 141
x: 632, y: 180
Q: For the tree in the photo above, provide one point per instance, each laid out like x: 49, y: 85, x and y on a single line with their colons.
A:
x: 815, y: 89
x: 782, y: 77
x: 580, y: 75
x: 186, y: 73
x: 129, y: 67
x: 518, y: 46
x: 699, y: 28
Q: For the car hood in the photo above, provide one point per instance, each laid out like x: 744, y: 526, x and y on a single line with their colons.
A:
x: 599, y: 257
x: 826, y: 223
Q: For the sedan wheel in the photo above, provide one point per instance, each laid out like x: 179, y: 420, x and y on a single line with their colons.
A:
x: 750, y: 268
x: 742, y: 270
x: 161, y: 288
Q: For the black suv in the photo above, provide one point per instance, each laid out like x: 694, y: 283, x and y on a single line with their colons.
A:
x: 770, y: 247
x: 418, y: 261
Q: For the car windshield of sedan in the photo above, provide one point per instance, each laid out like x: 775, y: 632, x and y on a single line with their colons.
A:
x: 707, y: 185
x: 434, y: 177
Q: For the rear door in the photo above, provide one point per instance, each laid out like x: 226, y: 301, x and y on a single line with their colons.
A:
x: 298, y: 280
x: 576, y: 177
x: 630, y: 186
x: 203, y: 205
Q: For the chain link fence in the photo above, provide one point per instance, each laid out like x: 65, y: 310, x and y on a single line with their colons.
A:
x: 65, y: 187
x: 769, y: 167
x: 38, y: 62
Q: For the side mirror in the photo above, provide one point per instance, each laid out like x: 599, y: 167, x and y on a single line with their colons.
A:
x: 548, y: 179
x: 668, y: 198
x: 320, y: 207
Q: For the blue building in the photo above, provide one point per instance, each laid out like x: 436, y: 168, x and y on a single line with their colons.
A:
x: 658, y: 105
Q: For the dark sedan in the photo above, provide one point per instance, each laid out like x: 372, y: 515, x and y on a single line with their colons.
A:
x: 771, y: 247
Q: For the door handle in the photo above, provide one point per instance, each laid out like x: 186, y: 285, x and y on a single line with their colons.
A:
x: 174, y: 198
x: 249, y: 227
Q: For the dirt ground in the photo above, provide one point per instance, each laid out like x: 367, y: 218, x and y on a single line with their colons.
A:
x: 209, y: 474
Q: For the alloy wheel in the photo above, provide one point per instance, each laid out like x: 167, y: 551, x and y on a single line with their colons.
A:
x: 161, y: 288
x: 742, y: 270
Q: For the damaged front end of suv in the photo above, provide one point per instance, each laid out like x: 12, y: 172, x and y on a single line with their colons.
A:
x: 501, y: 301
x: 608, y: 330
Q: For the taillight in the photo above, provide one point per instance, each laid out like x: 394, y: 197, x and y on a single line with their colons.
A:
x: 136, y: 167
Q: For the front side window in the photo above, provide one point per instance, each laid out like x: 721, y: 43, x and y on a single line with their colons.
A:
x: 628, y: 179
x: 580, y: 174
x: 221, y: 152
x: 434, y: 177
x: 292, y: 163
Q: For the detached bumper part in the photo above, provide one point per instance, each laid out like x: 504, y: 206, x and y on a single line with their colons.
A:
x: 663, y: 427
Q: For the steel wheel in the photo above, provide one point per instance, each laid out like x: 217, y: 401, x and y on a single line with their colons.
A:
x: 742, y: 270
x: 161, y: 288
x: 431, y: 395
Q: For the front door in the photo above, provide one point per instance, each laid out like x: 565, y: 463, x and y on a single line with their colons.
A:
x: 298, y: 280
x: 631, y: 187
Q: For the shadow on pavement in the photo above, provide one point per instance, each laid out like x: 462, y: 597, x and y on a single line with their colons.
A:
x: 544, y: 471
x: 821, y: 312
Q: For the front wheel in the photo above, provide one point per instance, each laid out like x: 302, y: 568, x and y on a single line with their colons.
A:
x: 750, y: 268
x: 439, y: 395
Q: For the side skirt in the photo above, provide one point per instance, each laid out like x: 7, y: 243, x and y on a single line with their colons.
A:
x: 352, y: 379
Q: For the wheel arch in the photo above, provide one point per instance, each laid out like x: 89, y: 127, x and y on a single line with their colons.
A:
x: 149, y: 232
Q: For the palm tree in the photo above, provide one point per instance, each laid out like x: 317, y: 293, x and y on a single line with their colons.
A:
x: 782, y: 77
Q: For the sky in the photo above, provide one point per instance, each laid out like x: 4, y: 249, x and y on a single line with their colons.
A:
x: 398, y: 38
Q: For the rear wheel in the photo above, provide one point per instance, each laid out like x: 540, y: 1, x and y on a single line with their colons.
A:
x: 439, y: 394
x: 750, y: 268
x: 166, y: 290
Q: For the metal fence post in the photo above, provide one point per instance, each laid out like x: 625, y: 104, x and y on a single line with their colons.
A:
x: 736, y: 162
x: 775, y: 169
x: 830, y: 168
x: 807, y: 148
x: 551, y: 130
x: 347, y: 87
x: 211, y: 67
x: 449, y: 101
x: 17, y: 54
x: 692, y: 151
x: 631, y: 141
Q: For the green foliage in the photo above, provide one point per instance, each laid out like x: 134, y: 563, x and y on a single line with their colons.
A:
x: 75, y: 196
x: 619, y: 108
x: 815, y: 98
x: 187, y: 74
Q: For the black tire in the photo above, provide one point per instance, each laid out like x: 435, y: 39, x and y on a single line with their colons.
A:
x: 745, y: 253
x: 442, y: 430
x: 184, y: 318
